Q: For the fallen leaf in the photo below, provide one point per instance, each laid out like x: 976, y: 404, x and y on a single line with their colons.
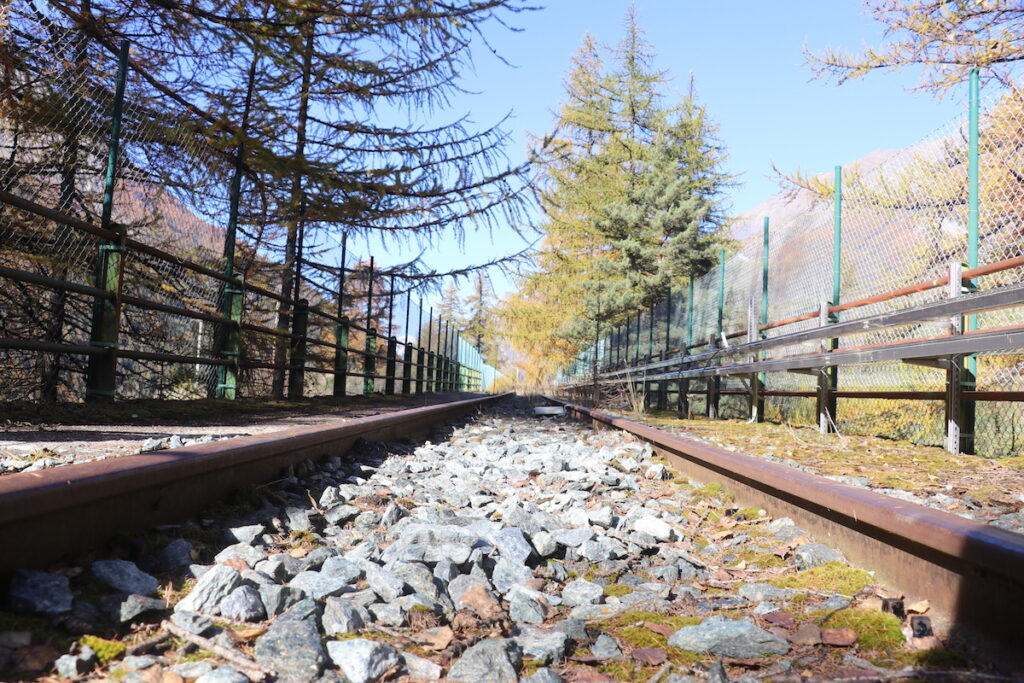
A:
x: 298, y: 553
x: 250, y: 633
x: 236, y: 563
x: 661, y: 629
x: 783, y: 619
x: 838, y: 637
x: 650, y: 655
x: 721, y: 575
x: 591, y: 677
x: 872, y: 603
x: 435, y: 638
x: 482, y: 602
x: 919, y: 607
x: 806, y: 634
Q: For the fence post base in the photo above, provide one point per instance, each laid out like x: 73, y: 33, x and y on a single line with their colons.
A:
x: 297, y: 354
x: 341, y: 357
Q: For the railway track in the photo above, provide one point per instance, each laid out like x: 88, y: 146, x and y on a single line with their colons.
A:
x: 972, y: 573
x: 515, y: 548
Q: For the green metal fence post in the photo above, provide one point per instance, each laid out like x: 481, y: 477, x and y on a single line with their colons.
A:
x: 101, y: 374
x: 715, y: 383
x: 297, y: 352
x: 828, y: 378
x: 759, y: 378
x: 430, y: 351
x: 969, y: 364
x: 407, y: 348
x: 420, y: 352
x: 683, y: 400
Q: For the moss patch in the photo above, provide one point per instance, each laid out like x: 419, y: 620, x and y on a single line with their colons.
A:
x: 831, y: 577
x: 618, y: 590
x: 711, y: 491
x: 106, y: 650
x: 875, y: 630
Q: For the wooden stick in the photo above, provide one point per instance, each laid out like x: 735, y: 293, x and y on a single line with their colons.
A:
x: 252, y: 670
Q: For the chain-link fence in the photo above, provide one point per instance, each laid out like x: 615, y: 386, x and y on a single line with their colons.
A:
x: 130, y: 272
x: 903, y: 219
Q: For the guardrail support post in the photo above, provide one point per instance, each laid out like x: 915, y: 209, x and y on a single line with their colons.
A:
x: 407, y: 369
x: 101, y: 375
x: 826, y: 376
x: 761, y: 377
x: 715, y: 383
x: 756, y: 398
x: 297, y: 352
x: 370, y: 362
x: 341, y: 357
x: 431, y: 384
x: 231, y: 341
x: 392, y: 354
x: 420, y: 369
x: 955, y: 371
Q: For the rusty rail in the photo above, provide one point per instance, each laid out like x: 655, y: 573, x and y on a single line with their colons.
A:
x: 61, y: 511
x: 972, y: 573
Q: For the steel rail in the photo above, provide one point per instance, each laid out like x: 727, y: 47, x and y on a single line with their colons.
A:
x: 61, y: 511
x: 972, y: 573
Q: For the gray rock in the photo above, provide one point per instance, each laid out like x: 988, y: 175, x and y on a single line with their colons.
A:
x: 276, y: 599
x: 606, y: 647
x: 544, y: 544
x: 389, y: 614
x: 242, y: 551
x: 192, y: 669
x: 244, y: 604
x: 343, y: 616
x: 724, y: 637
x: 341, y: 568
x: 137, y: 663
x: 544, y: 675
x: 33, y: 592
x: 192, y: 622
x: 174, y: 555
x: 756, y: 592
x: 71, y: 666
x: 655, y: 527
x: 512, y: 544
x: 212, y: 587
x: 813, y: 554
x: 420, y: 668
x: 316, y: 558
x: 392, y: 514
x: 280, y: 567
x: 572, y: 538
x: 223, y: 674
x: 508, y: 573
x: 341, y: 514
x: 125, y: 576
x: 291, y: 646
x: 523, y: 608
x: 12, y: 640
x: 382, y: 582
x: 461, y: 584
x: 418, y: 576
x: 135, y: 604
x: 318, y: 585
x: 574, y: 629
x: 582, y: 592
x: 547, y: 646
x: 245, y: 534
x: 496, y: 660
x: 363, y: 661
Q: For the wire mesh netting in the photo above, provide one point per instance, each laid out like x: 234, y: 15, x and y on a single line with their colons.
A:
x: 904, y: 220
x: 162, y: 204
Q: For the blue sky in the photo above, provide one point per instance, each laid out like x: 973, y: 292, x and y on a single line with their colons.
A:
x: 746, y: 57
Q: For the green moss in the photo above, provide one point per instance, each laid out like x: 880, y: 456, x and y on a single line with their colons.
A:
x: 940, y: 658
x: 41, y: 628
x: 831, y: 577
x: 617, y: 589
x: 875, y: 630
x: 637, y: 617
x: 762, y: 559
x: 106, y: 650
x: 711, y: 491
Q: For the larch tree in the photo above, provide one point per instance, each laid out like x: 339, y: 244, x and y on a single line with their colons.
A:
x: 632, y: 194
x: 945, y: 38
